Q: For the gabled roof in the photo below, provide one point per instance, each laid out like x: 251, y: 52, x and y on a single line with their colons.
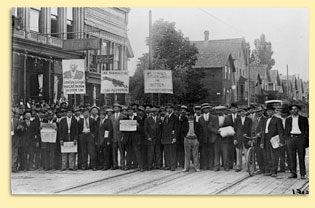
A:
x: 259, y: 70
x: 211, y: 55
x: 274, y: 76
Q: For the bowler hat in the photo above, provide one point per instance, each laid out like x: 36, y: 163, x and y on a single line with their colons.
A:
x: 233, y: 105
x: 295, y: 105
x: 270, y: 107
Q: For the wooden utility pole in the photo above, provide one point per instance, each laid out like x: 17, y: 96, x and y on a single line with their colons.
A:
x: 288, y: 93
x: 150, y: 49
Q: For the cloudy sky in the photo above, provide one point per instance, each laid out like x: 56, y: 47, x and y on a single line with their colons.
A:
x: 285, y: 28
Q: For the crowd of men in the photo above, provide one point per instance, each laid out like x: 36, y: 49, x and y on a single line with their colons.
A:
x: 167, y: 137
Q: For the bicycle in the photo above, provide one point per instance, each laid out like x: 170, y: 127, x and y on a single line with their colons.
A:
x: 251, y: 157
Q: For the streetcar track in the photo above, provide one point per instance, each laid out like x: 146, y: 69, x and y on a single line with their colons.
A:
x: 229, y: 186
x: 93, y: 182
x: 152, y: 181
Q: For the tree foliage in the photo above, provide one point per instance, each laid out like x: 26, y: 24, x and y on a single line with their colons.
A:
x: 262, y: 54
x: 171, y: 51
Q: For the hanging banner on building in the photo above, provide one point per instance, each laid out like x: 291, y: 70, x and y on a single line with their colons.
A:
x: 158, y: 81
x: 73, y: 76
x: 114, y: 82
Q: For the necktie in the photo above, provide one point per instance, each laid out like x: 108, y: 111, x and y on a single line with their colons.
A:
x: 86, y: 124
x: 28, y: 124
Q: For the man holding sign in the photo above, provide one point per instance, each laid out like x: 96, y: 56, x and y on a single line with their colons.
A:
x: 68, y: 138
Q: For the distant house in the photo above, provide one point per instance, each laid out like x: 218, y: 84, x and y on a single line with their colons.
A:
x: 259, y: 79
x: 237, y: 47
x: 220, y: 73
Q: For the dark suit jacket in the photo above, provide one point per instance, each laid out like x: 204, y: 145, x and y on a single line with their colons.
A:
x: 169, y: 126
x: 257, y: 127
x: 30, y: 134
x: 181, y: 130
x: 17, y: 132
x: 213, y: 128
x: 185, y: 128
x: 240, y: 130
x: 303, y: 126
x: 130, y: 137
x: 152, y: 130
x: 100, y: 132
x: 117, y: 135
x: 63, y: 130
x: 275, y: 128
x: 204, y: 132
x: 92, y: 125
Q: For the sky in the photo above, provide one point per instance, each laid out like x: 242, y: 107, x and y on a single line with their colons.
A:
x: 286, y: 29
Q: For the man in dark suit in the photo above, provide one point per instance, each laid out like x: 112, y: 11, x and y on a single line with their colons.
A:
x: 272, y: 127
x: 87, y: 130
x: 16, y: 133
x: 180, y: 152
x: 133, y: 141
x: 242, y: 126
x: 152, y: 142
x: 68, y: 132
x: 225, y: 142
x: 103, y: 140
x: 117, y: 137
x: 169, y: 135
x: 257, y: 129
x: 297, y: 135
x: 233, y: 115
x: 29, y: 141
x: 206, y: 156
x: 73, y: 73
x: 215, y: 139
x: 49, y: 150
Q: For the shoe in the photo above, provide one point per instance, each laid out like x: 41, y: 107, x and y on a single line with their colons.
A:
x: 227, y: 170
x: 166, y: 168
x: 303, y: 177
x: 217, y: 169
x: 14, y: 170
x: 141, y: 170
x: 185, y: 170
x: 126, y: 168
x: 292, y: 175
x: 273, y: 175
x: 173, y: 169
x: 94, y: 169
x: 198, y: 170
x: 237, y: 170
x: 267, y: 174
x: 258, y: 172
x: 114, y: 168
x: 281, y: 171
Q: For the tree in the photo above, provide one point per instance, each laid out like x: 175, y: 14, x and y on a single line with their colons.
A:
x: 262, y: 54
x: 171, y: 51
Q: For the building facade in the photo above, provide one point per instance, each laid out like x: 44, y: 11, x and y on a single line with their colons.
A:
x: 38, y: 35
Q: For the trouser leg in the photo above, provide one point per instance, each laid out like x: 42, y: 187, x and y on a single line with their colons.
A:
x: 275, y: 160
x: 239, y: 152
x: 122, y: 148
x: 71, y: 158
x: 260, y: 158
x: 115, y: 154
x: 91, y: 150
x: 15, y: 152
x: 157, y: 154
x: 195, y: 154
x: 225, y: 155
x: 301, y: 154
x: 84, y: 150
x: 64, y: 158
x: 173, y: 156
x: 217, y: 152
x: 137, y: 153
x: 282, y: 157
x: 187, y: 149
x: 107, y: 152
x: 180, y: 155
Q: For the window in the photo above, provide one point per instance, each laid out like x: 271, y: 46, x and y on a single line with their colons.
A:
x: 225, y: 72
x: 54, y: 21
x: 117, y: 57
x: 35, y: 13
x: 70, y: 23
x: 229, y: 74
x: 105, y: 51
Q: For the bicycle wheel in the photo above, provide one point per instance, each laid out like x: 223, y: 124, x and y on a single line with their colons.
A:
x: 251, y: 161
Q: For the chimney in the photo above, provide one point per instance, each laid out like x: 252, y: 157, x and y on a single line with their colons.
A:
x: 206, y: 35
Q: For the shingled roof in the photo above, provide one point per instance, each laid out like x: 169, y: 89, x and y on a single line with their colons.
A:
x: 211, y: 55
x: 260, y: 70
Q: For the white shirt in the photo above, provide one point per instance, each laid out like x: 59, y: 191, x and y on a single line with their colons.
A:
x: 116, y: 116
x: 267, y: 125
x: 234, y: 115
x: 295, y: 125
x: 131, y: 118
x: 221, y: 120
x: 86, y: 125
x: 206, y: 116
x: 243, y: 119
x: 154, y: 118
x: 197, y: 117
x: 69, y: 124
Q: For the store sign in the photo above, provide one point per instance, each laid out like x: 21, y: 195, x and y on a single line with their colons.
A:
x: 104, y: 59
x: 82, y: 44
